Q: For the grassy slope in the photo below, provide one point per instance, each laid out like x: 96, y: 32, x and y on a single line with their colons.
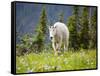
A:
x: 44, y: 62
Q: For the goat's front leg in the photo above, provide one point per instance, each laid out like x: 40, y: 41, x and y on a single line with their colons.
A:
x: 54, y: 47
x: 59, y: 46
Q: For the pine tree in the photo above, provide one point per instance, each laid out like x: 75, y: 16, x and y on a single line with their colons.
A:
x: 72, y: 25
x: 84, y: 33
x: 93, y: 31
x: 41, y: 31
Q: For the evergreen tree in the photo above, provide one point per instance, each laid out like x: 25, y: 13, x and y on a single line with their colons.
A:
x: 72, y: 25
x: 93, y: 30
x: 84, y: 33
x: 41, y: 31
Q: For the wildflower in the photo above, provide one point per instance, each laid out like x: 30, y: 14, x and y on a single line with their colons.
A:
x: 22, y: 59
x: 48, y: 56
x: 92, y: 63
x: 62, y: 55
x: 58, y: 67
x: 47, y: 67
x: 34, y: 62
x: 65, y: 61
x: 18, y: 68
x: 88, y: 61
x: 29, y: 70
x: 58, y: 58
x: 26, y: 64
x: 53, y: 67
x: 82, y: 54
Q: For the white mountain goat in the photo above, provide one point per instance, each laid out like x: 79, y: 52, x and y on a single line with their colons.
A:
x: 59, y: 35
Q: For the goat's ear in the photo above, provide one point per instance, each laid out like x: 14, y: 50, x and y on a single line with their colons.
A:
x: 54, y: 26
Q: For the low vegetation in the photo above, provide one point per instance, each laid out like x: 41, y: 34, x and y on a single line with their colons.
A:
x: 46, y: 61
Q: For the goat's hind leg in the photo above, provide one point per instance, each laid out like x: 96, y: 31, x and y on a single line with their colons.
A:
x: 66, y: 46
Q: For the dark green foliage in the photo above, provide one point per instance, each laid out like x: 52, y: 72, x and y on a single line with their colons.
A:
x: 93, y: 30
x: 72, y: 25
x: 41, y: 31
x: 82, y: 27
x: 84, y: 33
x: 24, y: 46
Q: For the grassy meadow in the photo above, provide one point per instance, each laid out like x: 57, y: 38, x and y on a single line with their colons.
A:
x: 46, y: 61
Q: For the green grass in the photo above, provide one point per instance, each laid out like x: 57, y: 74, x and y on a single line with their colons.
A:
x: 44, y: 62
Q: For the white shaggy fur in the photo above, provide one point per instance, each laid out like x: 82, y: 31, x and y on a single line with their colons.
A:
x: 59, y: 35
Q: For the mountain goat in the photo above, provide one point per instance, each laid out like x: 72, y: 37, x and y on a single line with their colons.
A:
x: 59, y: 35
